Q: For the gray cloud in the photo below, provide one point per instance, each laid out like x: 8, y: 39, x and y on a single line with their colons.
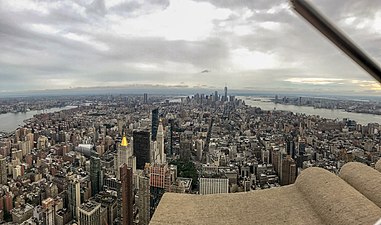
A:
x: 77, y: 43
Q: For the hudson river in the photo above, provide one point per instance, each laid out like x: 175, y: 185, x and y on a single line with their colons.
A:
x: 266, y: 104
x: 10, y: 121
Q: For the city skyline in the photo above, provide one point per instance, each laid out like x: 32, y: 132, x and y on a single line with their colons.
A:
x: 145, y: 159
x: 183, y: 44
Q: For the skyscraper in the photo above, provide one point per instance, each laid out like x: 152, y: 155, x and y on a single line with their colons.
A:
x: 125, y: 155
x: 49, y: 211
x: 226, y: 94
x: 74, y: 197
x: 90, y: 213
x: 155, y: 123
x: 145, y: 99
x: 159, y: 153
x: 288, y: 174
x: 157, y: 184
x: 142, y: 148
x: 3, y: 170
x: 290, y: 147
x: 95, y: 173
x: 126, y: 178
x: 144, y: 200
x: 157, y: 175
x: 171, y: 125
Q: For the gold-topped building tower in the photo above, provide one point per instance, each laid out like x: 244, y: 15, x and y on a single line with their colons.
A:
x: 125, y: 155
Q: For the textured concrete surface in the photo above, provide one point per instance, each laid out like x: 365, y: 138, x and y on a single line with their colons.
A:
x: 317, y: 197
x: 364, y: 179
x: 284, y: 205
x: 378, y: 166
x: 335, y: 200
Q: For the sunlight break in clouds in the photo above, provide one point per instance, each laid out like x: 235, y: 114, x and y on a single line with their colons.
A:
x: 181, y: 20
x: 314, y: 81
x: 243, y: 59
x: 369, y: 85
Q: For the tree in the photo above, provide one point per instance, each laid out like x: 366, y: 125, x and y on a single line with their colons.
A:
x: 187, y: 169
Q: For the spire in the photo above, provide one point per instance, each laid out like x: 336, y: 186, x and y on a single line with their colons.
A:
x: 124, y: 142
x: 160, y: 128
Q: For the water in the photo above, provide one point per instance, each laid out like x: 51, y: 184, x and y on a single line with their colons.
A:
x: 266, y: 104
x: 10, y: 121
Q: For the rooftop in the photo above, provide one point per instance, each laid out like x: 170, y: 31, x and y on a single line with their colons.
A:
x: 89, y: 206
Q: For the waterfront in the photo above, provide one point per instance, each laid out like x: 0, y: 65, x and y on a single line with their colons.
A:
x: 266, y: 104
x: 10, y: 121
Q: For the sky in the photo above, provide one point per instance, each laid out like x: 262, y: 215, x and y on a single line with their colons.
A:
x: 254, y: 45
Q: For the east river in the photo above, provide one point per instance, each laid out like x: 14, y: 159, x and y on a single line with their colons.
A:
x: 266, y: 104
x: 10, y: 121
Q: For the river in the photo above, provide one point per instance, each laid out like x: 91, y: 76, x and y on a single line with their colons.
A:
x: 266, y: 104
x: 10, y: 121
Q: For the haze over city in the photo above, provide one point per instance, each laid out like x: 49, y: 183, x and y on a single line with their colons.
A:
x: 249, y: 45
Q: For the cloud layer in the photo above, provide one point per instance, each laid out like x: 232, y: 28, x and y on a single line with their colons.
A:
x: 255, y: 45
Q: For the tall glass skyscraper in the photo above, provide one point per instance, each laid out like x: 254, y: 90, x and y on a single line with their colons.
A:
x: 141, y: 143
x: 95, y: 173
x: 155, y: 123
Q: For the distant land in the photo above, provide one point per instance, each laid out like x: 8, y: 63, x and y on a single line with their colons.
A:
x: 176, y: 90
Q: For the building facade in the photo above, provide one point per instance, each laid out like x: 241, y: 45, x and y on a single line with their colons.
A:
x: 155, y: 123
x: 288, y: 174
x: 144, y: 201
x: 213, y: 186
x: 142, y: 148
x: 74, y: 198
x: 95, y: 173
x: 127, y: 192
x: 90, y: 213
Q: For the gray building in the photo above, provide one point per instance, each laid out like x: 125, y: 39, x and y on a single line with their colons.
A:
x: 90, y: 213
x: 213, y: 186
x: 144, y: 201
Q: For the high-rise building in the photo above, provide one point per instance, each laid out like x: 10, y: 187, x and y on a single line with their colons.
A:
x: 200, y: 149
x: 109, y: 206
x: 49, y: 211
x: 186, y: 149
x: 288, y: 174
x: 20, y: 214
x: 145, y: 98
x: 155, y: 123
x: 90, y: 213
x: 226, y: 94
x: 95, y: 173
x: 144, y: 200
x: 213, y: 186
x: 302, y: 147
x: 3, y: 170
x: 142, y: 148
x: 290, y: 147
x: 276, y: 160
x: 125, y: 155
x: 127, y: 192
x: 159, y: 154
x: 74, y: 197
x: 216, y: 96
x: 8, y: 201
x: 158, y: 181
x: 157, y: 175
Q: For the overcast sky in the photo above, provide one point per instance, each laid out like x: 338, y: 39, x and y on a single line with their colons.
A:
x: 248, y: 44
